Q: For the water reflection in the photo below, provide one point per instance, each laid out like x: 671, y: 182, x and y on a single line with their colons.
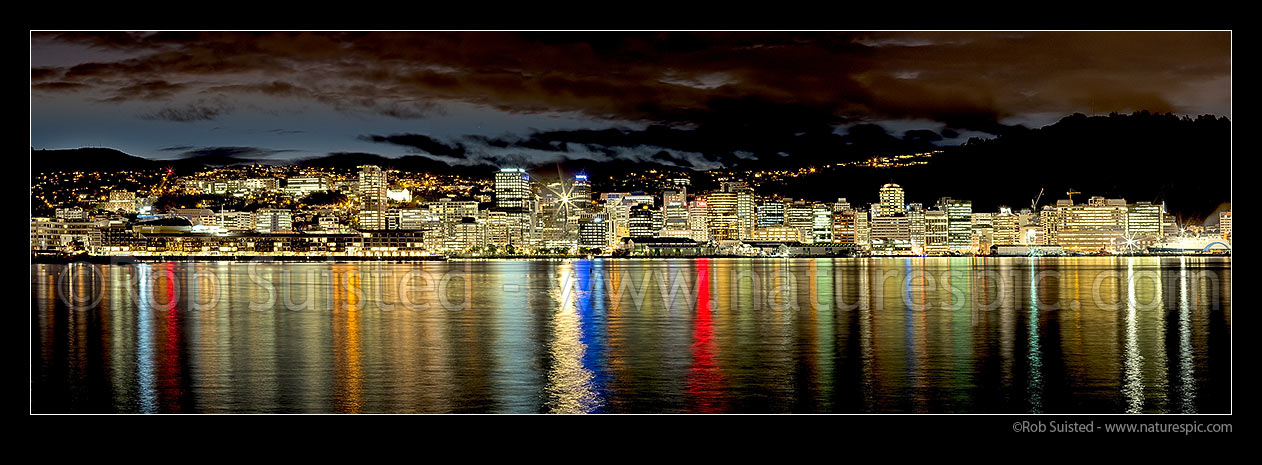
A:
x: 616, y: 336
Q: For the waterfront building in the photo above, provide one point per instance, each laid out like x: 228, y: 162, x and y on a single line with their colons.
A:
x: 959, y: 223
x: 892, y: 201
x: 777, y: 233
x: 770, y: 213
x: 1224, y: 225
x: 723, y: 222
x: 937, y: 232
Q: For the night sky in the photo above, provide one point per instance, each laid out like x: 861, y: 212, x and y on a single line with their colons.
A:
x: 506, y: 97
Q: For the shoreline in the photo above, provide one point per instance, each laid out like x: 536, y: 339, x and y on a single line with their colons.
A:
x: 121, y: 259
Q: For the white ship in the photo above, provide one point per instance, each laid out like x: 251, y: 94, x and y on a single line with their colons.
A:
x: 1191, y: 245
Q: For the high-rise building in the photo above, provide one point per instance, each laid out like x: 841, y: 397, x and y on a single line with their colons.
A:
x: 937, y: 232
x: 844, y: 226
x: 698, y: 221
x: 723, y: 221
x: 892, y: 201
x: 640, y: 221
x: 916, y: 226
x: 959, y: 223
x: 581, y: 192
x: 1007, y: 227
x: 821, y: 223
x: 675, y: 210
x: 802, y: 216
x: 1143, y: 220
x: 513, y: 190
x: 770, y: 213
x: 1224, y: 224
x: 594, y: 233
x: 372, y: 197
x: 891, y: 233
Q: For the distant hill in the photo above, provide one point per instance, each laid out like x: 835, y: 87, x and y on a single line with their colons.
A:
x: 1182, y: 161
x: 87, y: 159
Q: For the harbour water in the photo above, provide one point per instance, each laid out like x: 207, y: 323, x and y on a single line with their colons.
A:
x: 875, y: 335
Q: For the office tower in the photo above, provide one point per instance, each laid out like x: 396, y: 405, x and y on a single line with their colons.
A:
x: 640, y: 221
x: 1224, y: 224
x: 698, y: 221
x: 892, y: 201
x: 821, y: 223
x: 844, y: 226
x: 302, y: 186
x: 1143, y: 220
x: 959, y: 223
x: 916, y: 227
x: 675, y: 210
x: 581, y: 192
x: 746, y: 206
x: 862, y: 227
x: 890, y: 233
x: 724, y: 224
x: 269, y: 220
x: 372, y: 197
x: 1007, y: 227
x: 513, y: 190
x: 801, y: 215
x: 1099, y: 225
x: 594, y: 232
x: 770, y: 213
x: 937, y: 232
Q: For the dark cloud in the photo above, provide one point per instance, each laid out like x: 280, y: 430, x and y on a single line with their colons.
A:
x: 188, y: 112
x: 746, y: 85
x: 224, y: 155
x: 420, y: 142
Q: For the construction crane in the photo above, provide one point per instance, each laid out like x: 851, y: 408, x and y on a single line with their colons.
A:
x: 1071, y: 194
x: 1034, y: 204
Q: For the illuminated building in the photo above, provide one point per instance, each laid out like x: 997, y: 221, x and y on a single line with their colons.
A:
x: 821, y: 223
x: 777, y: 233
x: 675, y: 210
x: 581, y: 191
x: 1224, y: 225
x: 891, y: 201
x: 723, y: 221
x: 916, y: 225
x: 1099, y: 225
x: 270, y: 220
x: 372, y: 197
x: 302, y: 186
x: 513, y: 190
x: 862, y: 227
x: 844, y: 226
x: 698, y: 221
x: 959, y: 223
x: 640, y: 221
x: 937, y: 232
x: 770, y: 213
x: 1143, y: 220
x: 66, y: 235
x: 891, y: 233
x: 800, y: 215
x: 1007, y: 228
x: 594, y: 233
